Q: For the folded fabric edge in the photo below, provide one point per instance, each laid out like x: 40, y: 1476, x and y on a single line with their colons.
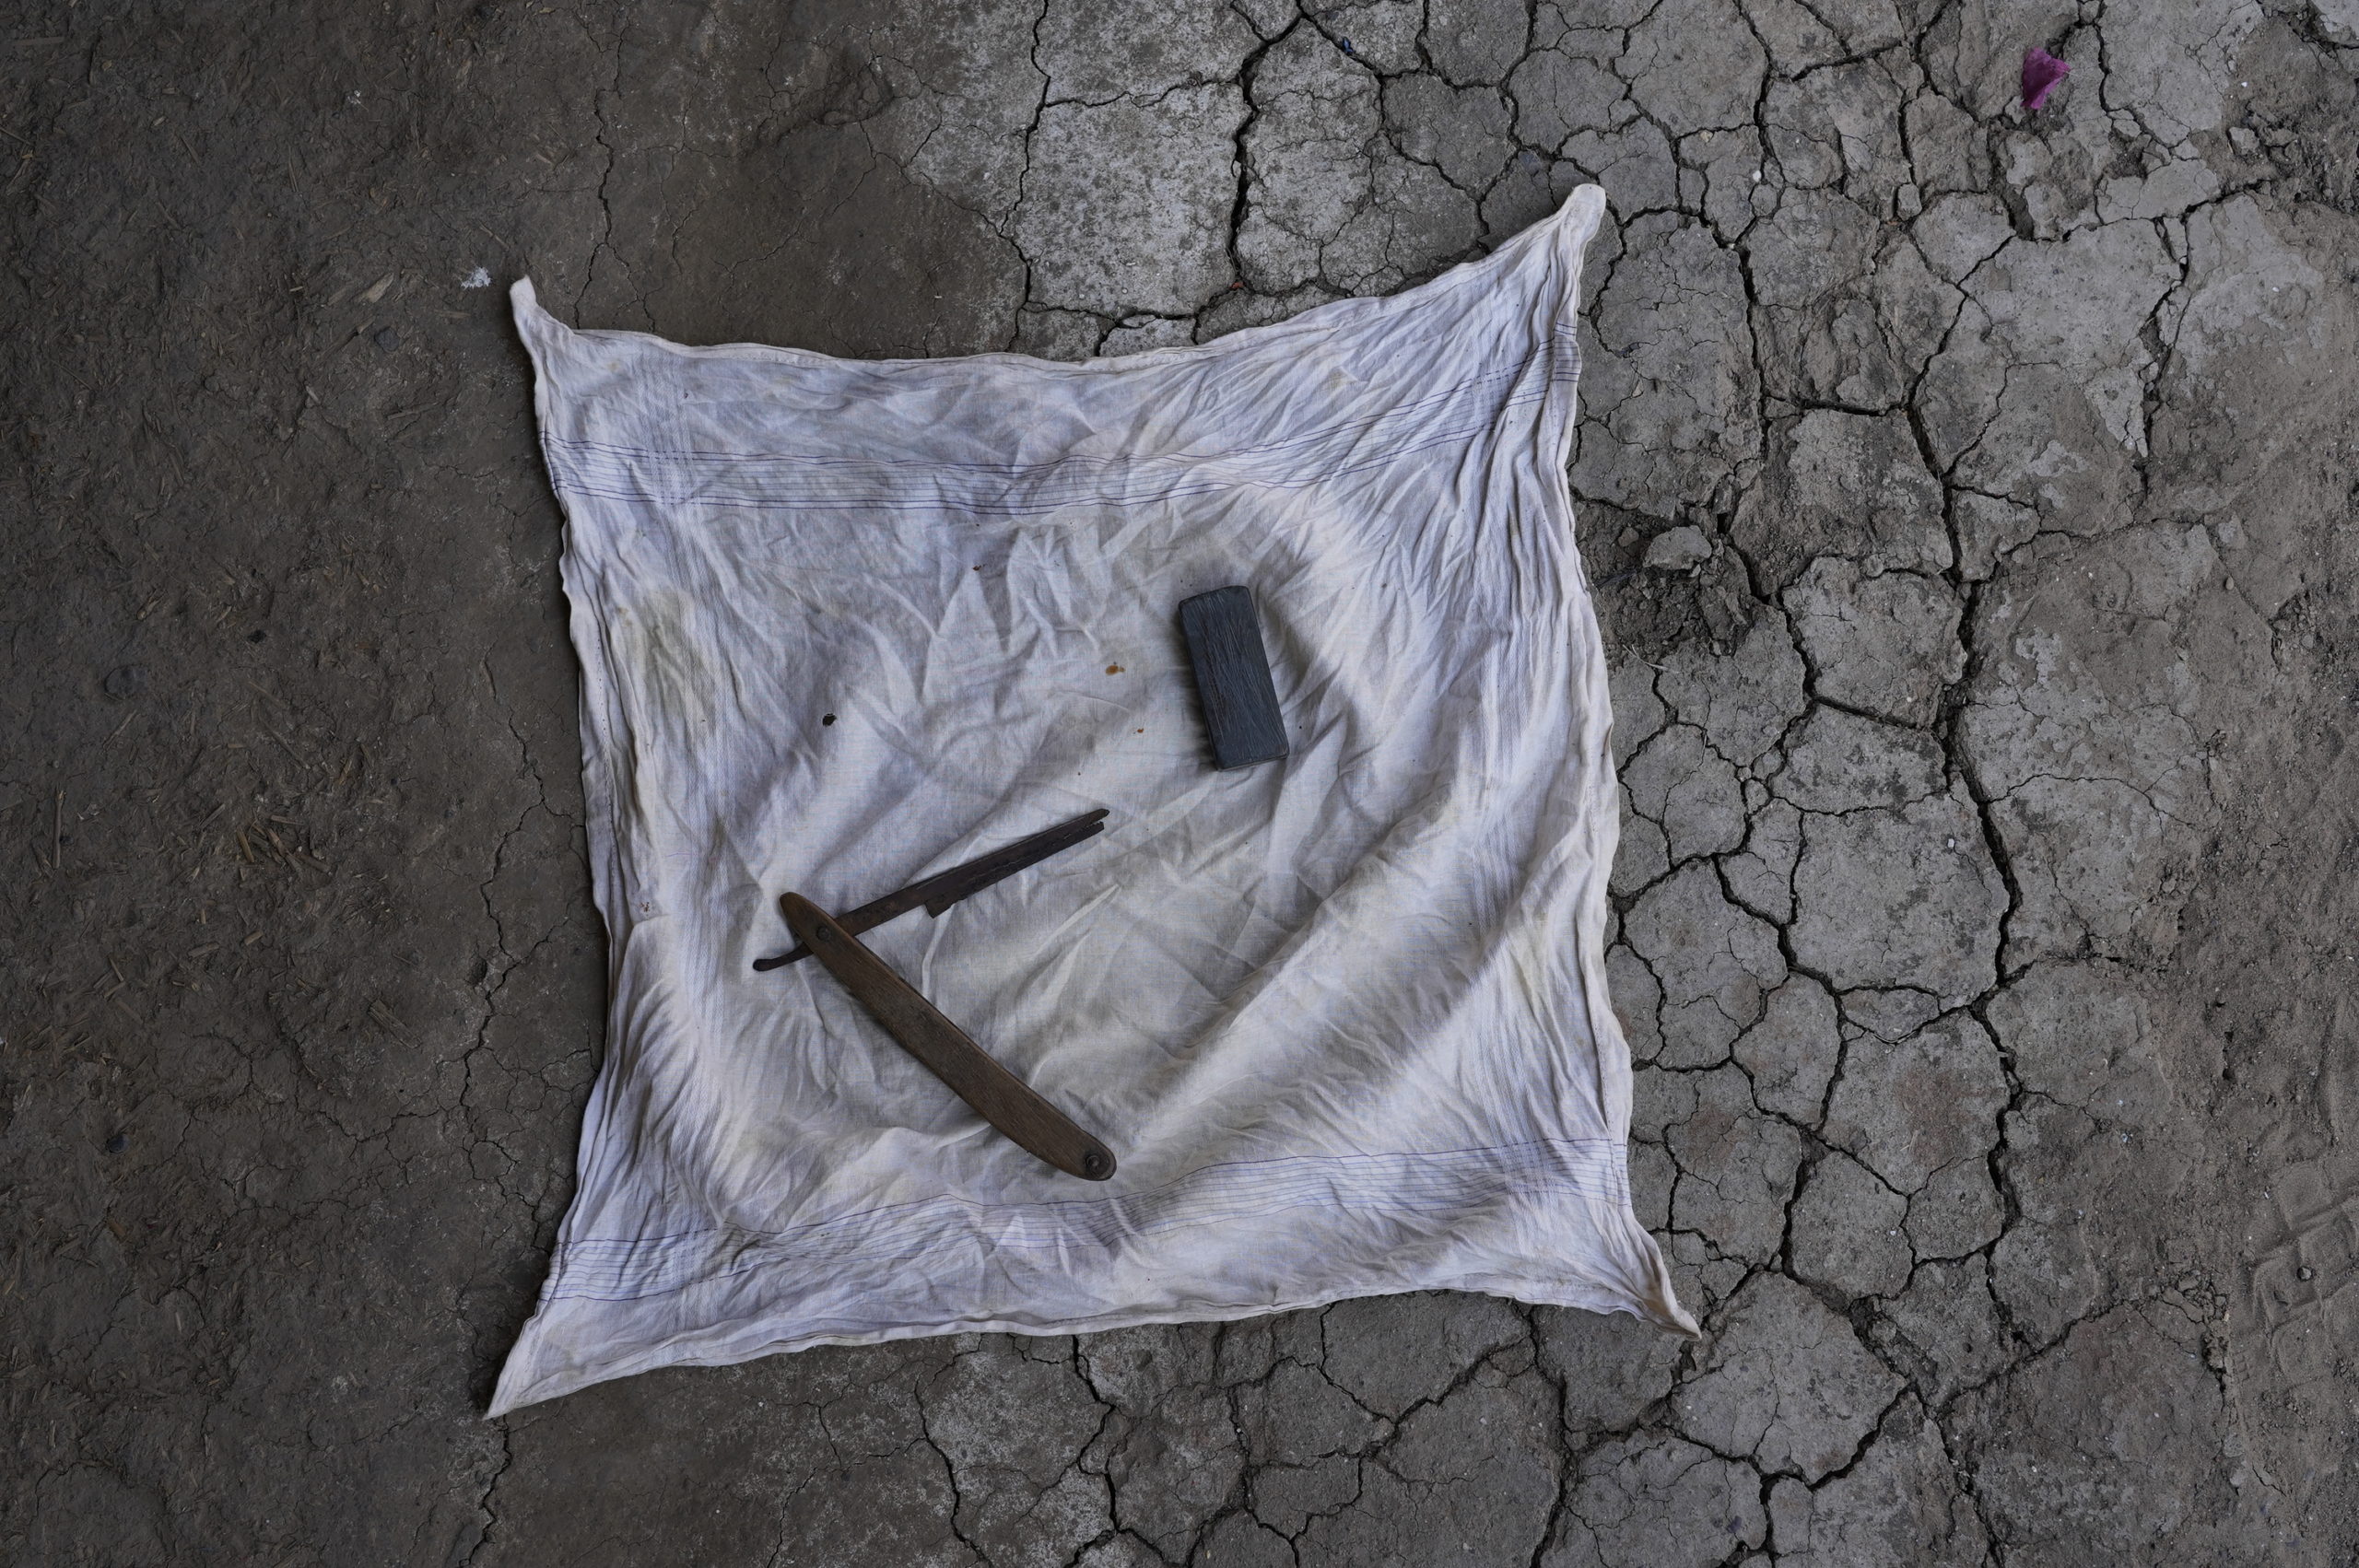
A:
x: 1648, y: 1295
x: 1569, y: 228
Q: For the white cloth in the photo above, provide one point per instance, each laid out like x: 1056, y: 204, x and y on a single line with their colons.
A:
x: 1342, y: 1018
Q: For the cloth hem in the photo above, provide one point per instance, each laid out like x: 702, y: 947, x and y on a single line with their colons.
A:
x: 713, y: 1346
x: 1570, y: 226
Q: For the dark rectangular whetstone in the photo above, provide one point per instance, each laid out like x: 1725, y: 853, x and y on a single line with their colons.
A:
x: 1233, y: 678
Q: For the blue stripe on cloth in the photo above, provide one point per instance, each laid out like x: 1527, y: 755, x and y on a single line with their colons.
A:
x: 789, y: 482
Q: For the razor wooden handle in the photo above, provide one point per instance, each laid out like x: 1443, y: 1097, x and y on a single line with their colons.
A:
x: 998, y: 1095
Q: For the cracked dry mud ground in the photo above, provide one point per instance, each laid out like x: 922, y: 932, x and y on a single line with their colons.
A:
x: 1985, y: 918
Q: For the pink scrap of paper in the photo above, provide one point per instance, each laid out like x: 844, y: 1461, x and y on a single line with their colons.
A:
x: 2042, y: 71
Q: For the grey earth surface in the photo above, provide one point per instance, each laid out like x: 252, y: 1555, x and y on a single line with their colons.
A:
x: 1967, y: 494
